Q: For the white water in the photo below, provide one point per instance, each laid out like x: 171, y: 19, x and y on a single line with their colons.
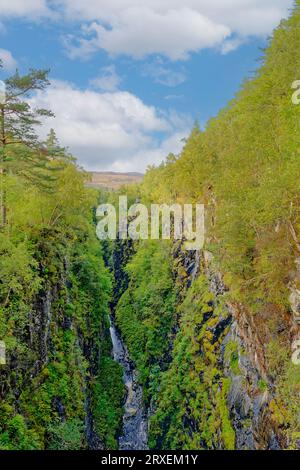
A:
x: 135, y: 424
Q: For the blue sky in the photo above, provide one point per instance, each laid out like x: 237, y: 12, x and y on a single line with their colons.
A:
x: 129, y: 78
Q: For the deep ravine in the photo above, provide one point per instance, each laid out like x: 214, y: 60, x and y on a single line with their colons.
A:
x: 135, y: 425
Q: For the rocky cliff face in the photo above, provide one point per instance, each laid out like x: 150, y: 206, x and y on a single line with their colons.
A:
x: 58, y: 346
x: 219, y: 385
x: 241, y: 355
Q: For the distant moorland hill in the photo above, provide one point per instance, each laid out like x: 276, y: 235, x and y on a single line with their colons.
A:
x: 113, y: 180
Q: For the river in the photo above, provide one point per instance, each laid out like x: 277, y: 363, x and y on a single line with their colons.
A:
x: 135, y: 423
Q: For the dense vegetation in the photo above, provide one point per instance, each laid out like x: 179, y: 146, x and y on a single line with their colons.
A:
x: 61, y: 389
x: 54, y: 293
x: 245, y: 167
x: 193, y: 391
x: 145, y: 312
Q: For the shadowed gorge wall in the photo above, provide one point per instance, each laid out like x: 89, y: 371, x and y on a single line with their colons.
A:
x: 227, y: 379
x: 60, y: 388
x: 209, y: 334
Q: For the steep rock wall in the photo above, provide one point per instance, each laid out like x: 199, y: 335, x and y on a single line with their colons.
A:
x: 53, y: 389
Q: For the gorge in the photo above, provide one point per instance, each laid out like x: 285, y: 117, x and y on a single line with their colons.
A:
x: 140, y: 344
x: 135, y: 425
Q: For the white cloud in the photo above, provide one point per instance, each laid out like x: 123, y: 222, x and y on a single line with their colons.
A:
x: 231, y: 44
x: 171, y: 27
x: 174, y: 97
x: 8, y: 61
x: 111, y: 130
x: 153, y: 154
x: 164, y: 75
x: 108, y: 80
x: 140, y: 31
x: 79, y: 47
x: 29, y: 8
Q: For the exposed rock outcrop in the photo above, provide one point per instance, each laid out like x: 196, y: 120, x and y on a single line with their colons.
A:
x: 241, y: 356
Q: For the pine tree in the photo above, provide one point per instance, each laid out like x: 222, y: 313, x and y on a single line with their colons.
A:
x: 55, y: 151
x: 20, y: 149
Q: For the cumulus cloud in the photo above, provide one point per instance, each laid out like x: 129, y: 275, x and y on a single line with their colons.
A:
x: 111, y: 130
x: 140, y: 31
x: 139, y: 28
x: 153, y: 154
x: 231, y: 45
x: 108, y: 80
x: 79, y: 47
x: 170, y: 27
x: 29, y: 8
x: 8, y: 61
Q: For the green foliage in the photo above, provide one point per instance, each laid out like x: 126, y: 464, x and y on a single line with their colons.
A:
x: 108, y: 394
x: 286, y: 404
x: 232, y: 356
x: 145, y: 313
x: 191, y: 406
x: 54, y: 292
x: 262, y: 385
x: 14, y: 433
x: 68, y: 435
x: 245, y: 168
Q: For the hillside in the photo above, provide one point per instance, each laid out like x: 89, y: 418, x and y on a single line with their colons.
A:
x: 213, y: 333
x: 112, y: 180
x: 136, y: 344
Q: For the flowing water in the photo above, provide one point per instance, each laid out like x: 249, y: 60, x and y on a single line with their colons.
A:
x: 135, y: 425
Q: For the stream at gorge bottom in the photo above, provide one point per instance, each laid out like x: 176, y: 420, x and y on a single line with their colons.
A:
x: 135, y: 424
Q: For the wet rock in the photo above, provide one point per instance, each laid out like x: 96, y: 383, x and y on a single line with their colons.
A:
x: 220, y: 327
x: 216, y: 284
x: 135, y: 421
x: 67, y: 323
x: 59, y: 408
x: 274, y: 444
x: 248, y: 397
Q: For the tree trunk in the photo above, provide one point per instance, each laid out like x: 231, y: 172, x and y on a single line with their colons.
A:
x: 3, y: 210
